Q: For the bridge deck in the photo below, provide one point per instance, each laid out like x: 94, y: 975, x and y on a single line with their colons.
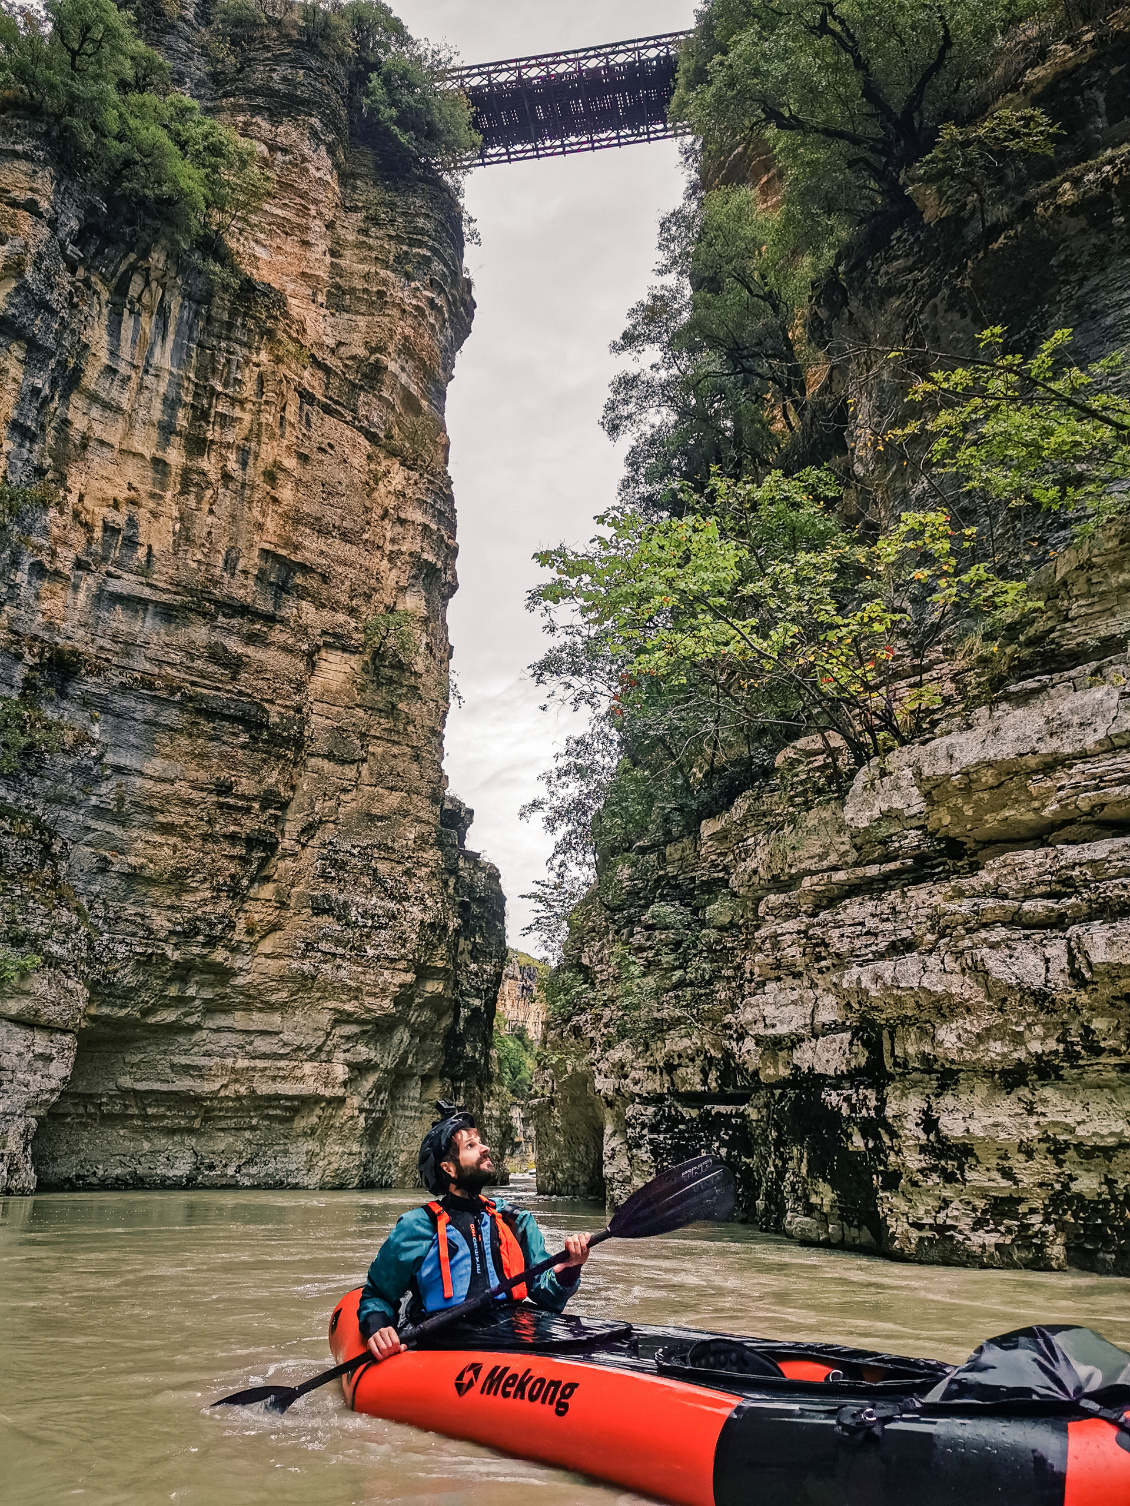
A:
x: 582, y: 101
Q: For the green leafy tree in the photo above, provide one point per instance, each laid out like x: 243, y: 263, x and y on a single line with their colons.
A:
x: 792, y: 617
x: 969, y: 161
x: 516, y: 1060
x: 403, y: 100
x: 715, y: 379
x: 576, y: 786
x: 848, y: 94
x: 116, y: 120
x: 394, y: 635
x: 699, y: 642
x: 1036, y: 431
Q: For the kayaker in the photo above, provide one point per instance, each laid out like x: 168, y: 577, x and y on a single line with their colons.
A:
x: 460, y: 1244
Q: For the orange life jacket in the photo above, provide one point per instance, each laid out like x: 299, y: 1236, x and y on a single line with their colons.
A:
x: 513, y: 1260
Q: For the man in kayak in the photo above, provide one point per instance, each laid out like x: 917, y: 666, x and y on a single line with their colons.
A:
x: 460, y: 1244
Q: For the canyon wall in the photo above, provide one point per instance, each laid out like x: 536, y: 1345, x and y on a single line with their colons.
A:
x: 265, y: 947
x: 903, y: 1014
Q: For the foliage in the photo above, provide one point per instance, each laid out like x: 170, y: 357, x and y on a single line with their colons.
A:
x: 392, y: 635
x: 566, y: 995
x: 713, y: 356
x: 393, y: 80
x: 969, y: 160
x: 17, y: 499
x: 516, y: 1060
x: 837, y: 106
x: 116, y: 120
x: 554, y: 899
x: 848, y: 94
x: 402, y: 90
x: 576, y: 788
x: 402, y: 99
x: 790, y: 616
x: 704, y: 638
x: 844, y: 98
x: 26, y: 733
x: 15, y: 968
x: 1039, y: 430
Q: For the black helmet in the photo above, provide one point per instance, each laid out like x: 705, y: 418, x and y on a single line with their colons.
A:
x: 436, y: 1146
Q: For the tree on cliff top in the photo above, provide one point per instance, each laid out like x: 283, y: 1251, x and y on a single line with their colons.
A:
x: 848, y: 94
x: 117, y: 121
x: 394, y: 80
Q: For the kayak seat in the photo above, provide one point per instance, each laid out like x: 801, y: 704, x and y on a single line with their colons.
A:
x: 819, y: 1370
x: 742, y: 1359
x: 732, y: 1359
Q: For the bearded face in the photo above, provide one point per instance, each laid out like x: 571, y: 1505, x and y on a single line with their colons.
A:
x: 470, y: 1167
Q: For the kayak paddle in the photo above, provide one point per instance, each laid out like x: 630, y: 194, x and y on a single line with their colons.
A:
x: 701, y: 1188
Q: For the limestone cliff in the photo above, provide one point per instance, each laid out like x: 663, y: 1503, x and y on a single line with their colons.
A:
x: 264, y: 944
x: 904, y: 1015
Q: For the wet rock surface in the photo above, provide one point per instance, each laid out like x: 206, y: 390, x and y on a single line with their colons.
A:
x: 901, y: 1011
x: 279, y: 948
x: 903, y: 1015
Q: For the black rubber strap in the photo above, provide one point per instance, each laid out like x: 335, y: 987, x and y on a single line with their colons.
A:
x: 869, y: 1420
x: 1120, y: 1420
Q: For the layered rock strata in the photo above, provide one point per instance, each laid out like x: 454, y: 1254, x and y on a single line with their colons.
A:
x: 904, y: 1015
x: 265, y: 947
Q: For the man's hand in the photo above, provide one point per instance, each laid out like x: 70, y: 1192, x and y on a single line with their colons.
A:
x: 577, y: 1248
x: 385, y: 1343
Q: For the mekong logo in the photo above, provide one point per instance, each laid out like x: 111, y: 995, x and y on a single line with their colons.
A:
x: 509, y: 1385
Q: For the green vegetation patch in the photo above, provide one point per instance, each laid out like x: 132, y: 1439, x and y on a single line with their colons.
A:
x: 117, y: 121
x: 848, y: 95
x: 27, y: 734
x: 15, y: 967
x: 15, y: 500
x: 392, y: 635
x: 517, y: 1059
x: 393, y: 81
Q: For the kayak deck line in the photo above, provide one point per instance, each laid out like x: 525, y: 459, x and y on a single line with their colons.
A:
x: 615, y: 1401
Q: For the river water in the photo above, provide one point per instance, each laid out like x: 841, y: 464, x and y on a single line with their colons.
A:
x: 123, y: 1314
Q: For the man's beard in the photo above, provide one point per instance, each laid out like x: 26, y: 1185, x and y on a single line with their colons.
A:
x: 475, y: 1178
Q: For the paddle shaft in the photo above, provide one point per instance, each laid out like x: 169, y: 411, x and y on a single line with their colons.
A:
x: 453, y: 1314
x: 412, y: 1333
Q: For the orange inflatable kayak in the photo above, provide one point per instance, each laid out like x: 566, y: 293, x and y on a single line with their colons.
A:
x: 710, y: 1420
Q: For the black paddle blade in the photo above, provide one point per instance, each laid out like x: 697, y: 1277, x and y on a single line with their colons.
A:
x: 278, y: 1398
x: 701, y: 1188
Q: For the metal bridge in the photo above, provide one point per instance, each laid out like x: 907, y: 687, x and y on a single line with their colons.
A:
x: 562, y: 102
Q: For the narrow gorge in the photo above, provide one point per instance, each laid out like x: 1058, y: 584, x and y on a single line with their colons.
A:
x: 245, y: 941
x: 844, y: 883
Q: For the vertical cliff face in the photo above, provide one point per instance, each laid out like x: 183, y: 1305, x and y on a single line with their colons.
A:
x: 902, y: 1012
x: 264, y: 947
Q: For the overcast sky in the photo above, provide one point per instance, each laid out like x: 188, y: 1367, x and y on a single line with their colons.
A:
x: 568, y: 245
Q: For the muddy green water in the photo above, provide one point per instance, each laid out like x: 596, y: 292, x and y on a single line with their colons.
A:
x: 123, y: 1314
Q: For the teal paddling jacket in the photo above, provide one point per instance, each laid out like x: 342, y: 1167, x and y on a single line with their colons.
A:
x: 397, y: 1272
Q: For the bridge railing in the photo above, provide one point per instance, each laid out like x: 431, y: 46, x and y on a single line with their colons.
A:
x: 581, y: 101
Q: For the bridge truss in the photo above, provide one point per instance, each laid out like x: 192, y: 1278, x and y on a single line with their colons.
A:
x: 583, y: 101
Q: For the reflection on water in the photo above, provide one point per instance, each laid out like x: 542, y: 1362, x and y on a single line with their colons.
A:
x: 123, y: 1314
